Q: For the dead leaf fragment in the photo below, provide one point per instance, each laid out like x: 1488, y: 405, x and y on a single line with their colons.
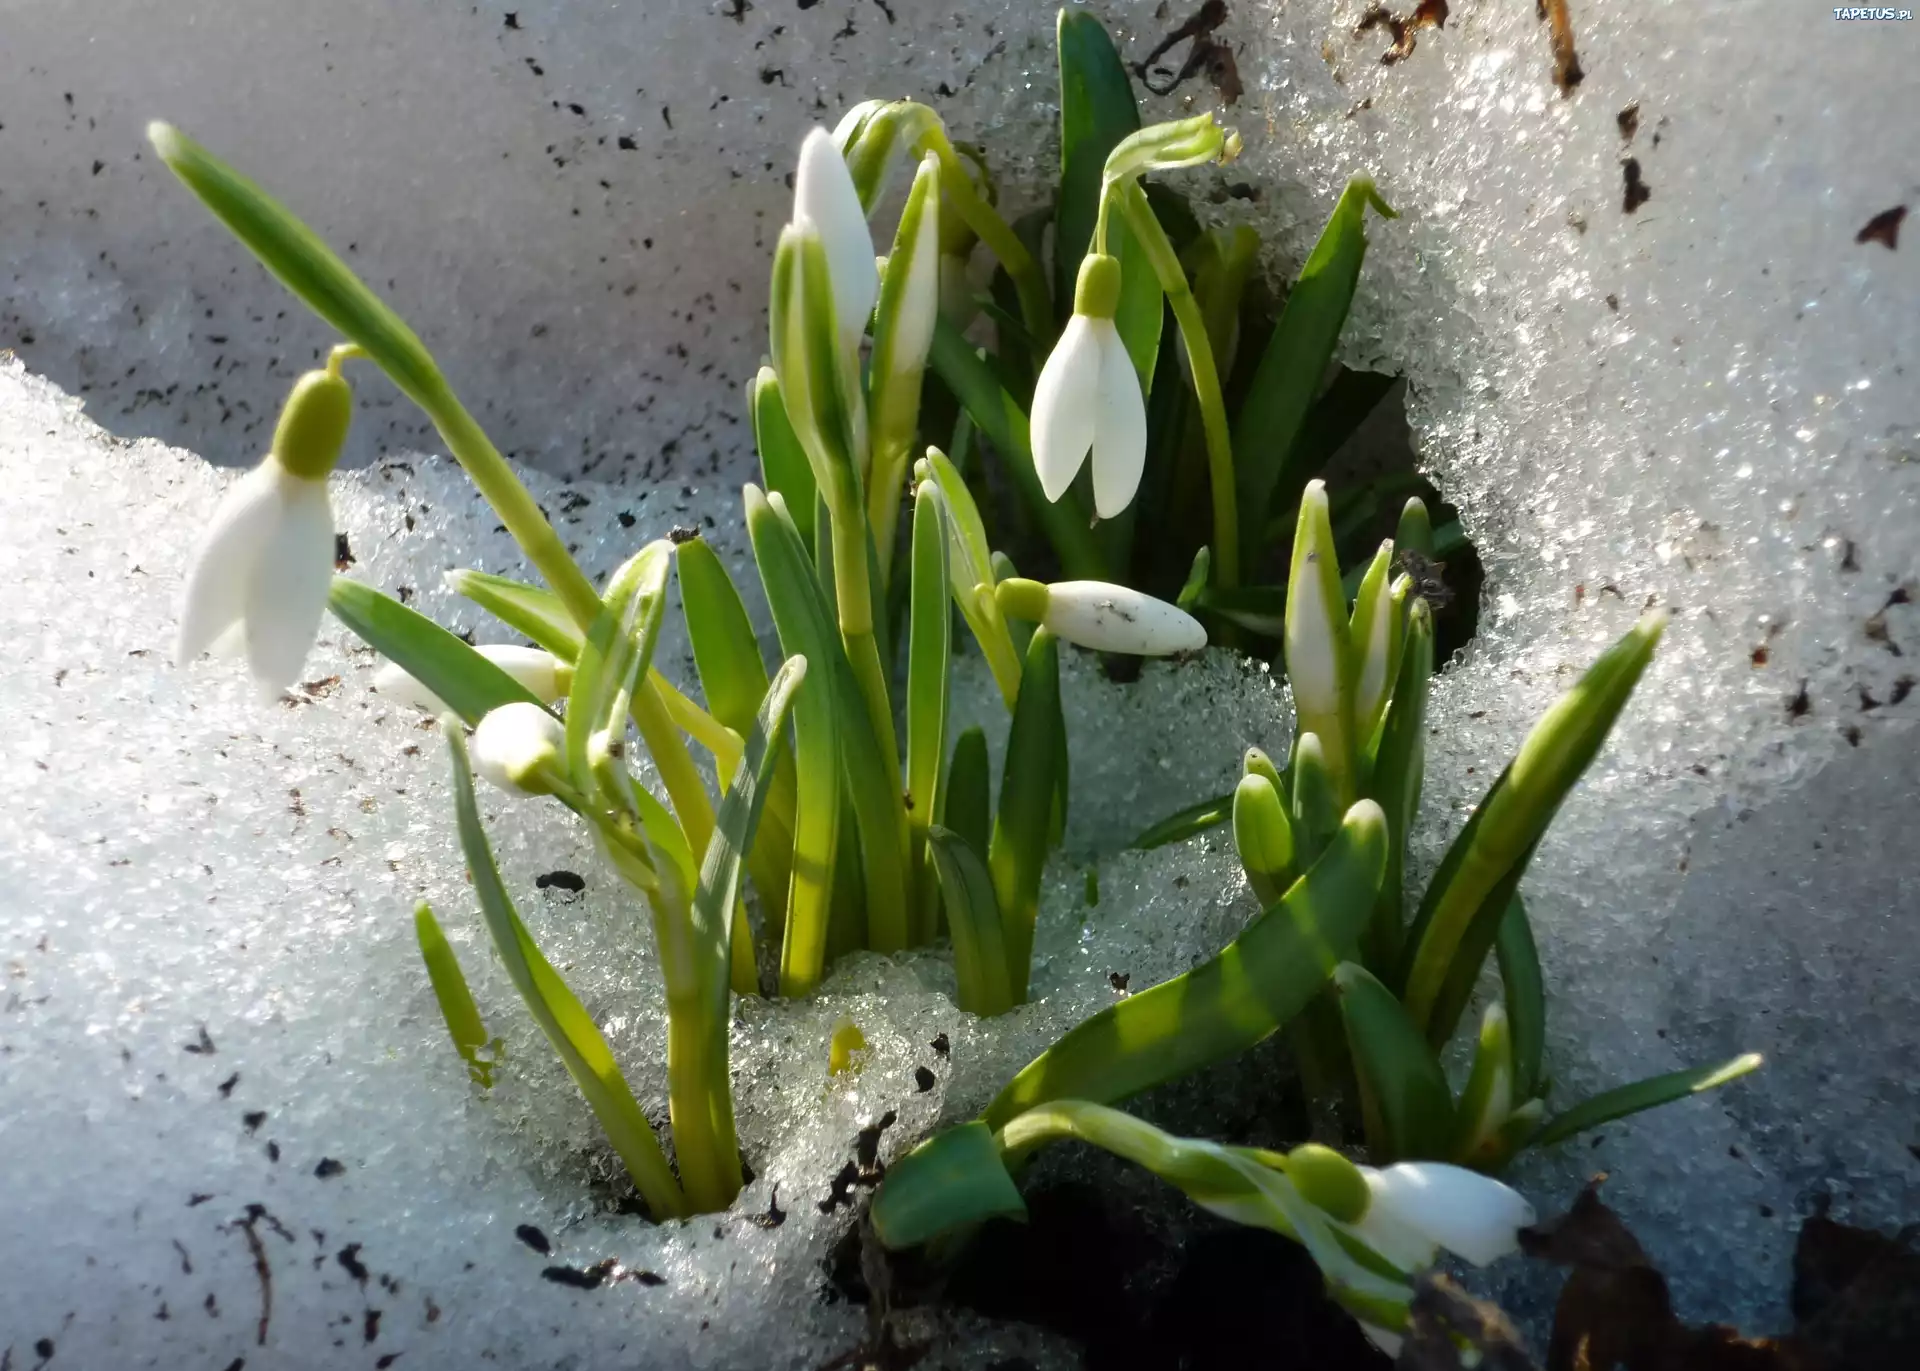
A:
x: 1884, y: 228
x: 1566, y: 65
x: 1404, y: 32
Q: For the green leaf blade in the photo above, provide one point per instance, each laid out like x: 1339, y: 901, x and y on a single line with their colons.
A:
x: 1642, y: 1096
x: 561, y: 1016
x: 1017, y: 852
x: 450, y: 991
x: 1526, y: 996
x: 1404, y: 1094
x: 1460, y: 915
x: 303, y: 263
x: 979, y: 942
x: 953, y: 1180
x: 1187, y: 823
x: 1255, y: 985
x: 1288, y: 378
x: 466, y: 682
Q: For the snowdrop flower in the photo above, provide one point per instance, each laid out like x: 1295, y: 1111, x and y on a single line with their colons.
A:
x: 1416, y: 1208
x: 518, y: 747
x: 260, y: 576
x: 1088, y: 399
x: 540, y: 673
x: 826, y: 200
x: 1103, y: 617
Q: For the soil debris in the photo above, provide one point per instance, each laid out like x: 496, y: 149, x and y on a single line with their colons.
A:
x: 1629, y: 121
x: 1637, y: 191
x: 1207, y: 54
x: 1404, y: 32
x: 1884, y: 228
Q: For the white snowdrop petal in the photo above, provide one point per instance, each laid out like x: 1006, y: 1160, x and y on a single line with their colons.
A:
x: 290, y: 584
x: 223, y: 564
x: 1463, y: 1211
x: 824, y: 192
x: 1111, y: 618
x: 920, y: 303
x: 513, y: 743
x: 1120, y: 438
x: 534, y: 669
x: 1064, y: 401
x: 1382, y: 1339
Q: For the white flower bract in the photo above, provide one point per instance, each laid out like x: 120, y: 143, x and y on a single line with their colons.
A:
x: 1111, y: 618
x: 825, y: 197
x: 1088, y: 400
x: 539, y: 672
x: 1418, y: 1207
x: 260, y: 576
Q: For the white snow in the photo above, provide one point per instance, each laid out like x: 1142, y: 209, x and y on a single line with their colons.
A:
x: 1706, y: 403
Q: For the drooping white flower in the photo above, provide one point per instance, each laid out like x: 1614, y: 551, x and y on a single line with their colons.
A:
x: 825, y: 198
x: 1088, y: 399
x: 519, y: 747
x: 1415, y: 1208
x: 541, y: 673
x: 260, y: 576
x: 1102, y: 616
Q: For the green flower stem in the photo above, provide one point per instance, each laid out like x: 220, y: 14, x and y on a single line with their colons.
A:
x: 692, y: 807
x: 1206, y: 380
x: 315, y: 273
x: 960, y: 194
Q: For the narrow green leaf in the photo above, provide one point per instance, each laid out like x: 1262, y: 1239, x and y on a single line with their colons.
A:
x: 532, y: 610
x: 1290, y: 371
x: 783, y: 462
x: 559, y: 1013
x: 1487, y: 1103
x: 1403, y: 1092
x: 1003, y: 423
x: 1415, y: 533
x: 1526, y: 996
x: 1187, y: 823
x: 1258, y: 609
x: 952, y: 1180
x: 1017, y: 853
x: 701, y: 1087
x: 468, y: 683
x: 457, y: 1007
x: 733, y: 675
x: 804, y: 631
x: 616, y: 653
x: 929, y: 658
x: 1314, y: 810
x: 1350, y: 397
x: 973, y: 915
x: 1468, y: 895
x: 1263, y: 838
x: 305, y: 265
x: 1257, y: 983
x: 1097, y: 111
x: 806, y: 628
x: 1196, y: 582
x: 1643, y: 1095
x: 1399, y: 769
x: 968, y: 807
